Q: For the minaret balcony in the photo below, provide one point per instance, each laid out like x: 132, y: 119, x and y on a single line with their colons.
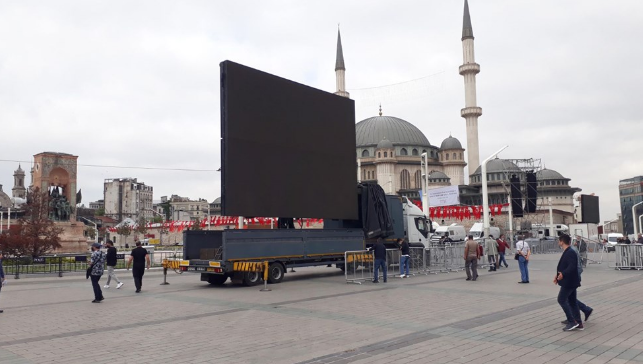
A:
x: 469, y: 68
x: 471, y: 111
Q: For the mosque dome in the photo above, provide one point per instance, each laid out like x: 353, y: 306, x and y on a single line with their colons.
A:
x: 548, y: 174
x: 451, y: 143
x: 499, y: 165
x: 370, y: 132
x: 384, y: 144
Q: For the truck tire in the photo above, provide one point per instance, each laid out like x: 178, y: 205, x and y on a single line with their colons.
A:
x: 251, y: 278
x: 276, y: 273
x: 217, y: 280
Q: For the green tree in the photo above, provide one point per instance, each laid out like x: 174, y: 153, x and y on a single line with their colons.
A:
x: 157, y: 219
x: 124, y: 230
x: 141, y: 226
x: 100, y: 212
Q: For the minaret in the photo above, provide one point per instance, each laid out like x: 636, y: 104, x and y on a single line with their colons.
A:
x: 340, y: 69
x: 471, y: 111
x: 19, y: 189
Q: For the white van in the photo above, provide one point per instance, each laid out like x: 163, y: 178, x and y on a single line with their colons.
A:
x: 612, y: 240
x: 477, y: 230
x: 454, y: 232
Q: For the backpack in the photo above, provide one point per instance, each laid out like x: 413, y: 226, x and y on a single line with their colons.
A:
x: 580, y: 262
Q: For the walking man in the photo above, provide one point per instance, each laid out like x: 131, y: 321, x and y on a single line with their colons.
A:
x: 492, y: 252
x: 1, y: 276
x: 568, y: 279
x: 379, y: 252
x: 522, y: 248
x: 404, y: 258
x: 502, y: 249
x: 471, y: 256
x: 139, y: 256
x: 581, y: 306
x: 111, y: 264
x: 97, y: 266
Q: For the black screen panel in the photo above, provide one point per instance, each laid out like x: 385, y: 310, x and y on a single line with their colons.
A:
x: 590, y: 209
x: 288, y: 150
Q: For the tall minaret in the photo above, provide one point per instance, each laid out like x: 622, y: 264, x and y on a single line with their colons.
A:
x: 19, y: 189
x: 471, y: 111
x: 340, y: 69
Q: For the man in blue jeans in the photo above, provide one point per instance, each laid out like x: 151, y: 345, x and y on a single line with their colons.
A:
x: 379, y: 254
x: 522, y: 248
x: 568, y: 279
x: 404, y: 257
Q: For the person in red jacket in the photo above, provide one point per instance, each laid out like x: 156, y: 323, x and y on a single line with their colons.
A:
x: 502, y: 250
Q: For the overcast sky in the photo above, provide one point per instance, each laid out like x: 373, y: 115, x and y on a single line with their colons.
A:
x: 135, y: 83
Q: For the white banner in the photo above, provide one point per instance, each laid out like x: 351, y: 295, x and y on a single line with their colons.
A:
x: 444, y: 196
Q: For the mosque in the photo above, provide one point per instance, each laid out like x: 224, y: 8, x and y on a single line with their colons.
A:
x: 389, y: 149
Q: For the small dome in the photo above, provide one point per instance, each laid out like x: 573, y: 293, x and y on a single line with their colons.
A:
x: 217, y: 200
x: 370, y: 131
x: 385, y: 144
x: 437, y: 175
x: 549, y: 174
x: 499, y: 165
x: 451, y: 143
x: 19, y: 170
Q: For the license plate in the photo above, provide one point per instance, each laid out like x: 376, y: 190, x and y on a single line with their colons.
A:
x: 197, y: 269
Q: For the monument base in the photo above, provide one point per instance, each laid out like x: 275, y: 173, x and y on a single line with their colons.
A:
x: 72, y: 239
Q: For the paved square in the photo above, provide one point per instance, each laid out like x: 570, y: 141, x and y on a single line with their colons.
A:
x: 314, y: 317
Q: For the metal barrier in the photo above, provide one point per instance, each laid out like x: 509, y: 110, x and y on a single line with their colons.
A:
x: 417, y: 261
x: 628, y: 256
x: 393, y: 259
x: 435, y: 259
x: 358, y: 266
x: 455, y: 256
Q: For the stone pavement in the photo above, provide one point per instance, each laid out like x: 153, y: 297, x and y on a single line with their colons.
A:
x: 313, y: 317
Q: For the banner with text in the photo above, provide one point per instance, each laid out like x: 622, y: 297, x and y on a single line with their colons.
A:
x: 445, y: 196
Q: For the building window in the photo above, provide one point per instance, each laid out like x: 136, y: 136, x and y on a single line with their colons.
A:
x: 379, y: 154
x: 405, y: 179
x: 365, y: 153
x: 461, y: 156
x: 415, y: 152
x: 363, y: 174
x: 454, y: 156
x: 424, y: 151
x: 385, y: 154
x: 403, y: 151
x: 447, y: 156
x: 418, y: 179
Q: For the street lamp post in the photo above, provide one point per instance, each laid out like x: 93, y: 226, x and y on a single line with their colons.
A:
x: 634, y: 217
x: 485, y: 195
x: 425, y: 193
x: 95, y: 227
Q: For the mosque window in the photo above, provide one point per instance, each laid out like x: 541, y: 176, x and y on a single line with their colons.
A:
x: 454, y: 156
x: 379, y: 154
x: 385, y: 154
x: 418, y: 179
x: 415, y: 152
x: 424, y: 151
x: 403, y: 151
x: 447, y: 156
x: 461, y: 156
x: 365, y: 153
x: 405, y: 179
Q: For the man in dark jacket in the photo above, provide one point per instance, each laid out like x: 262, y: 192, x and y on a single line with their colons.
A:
x: 379, y: 254
x: 404, y: 257
x: 568, y: 279
x: 111, y: 264
x: 1, y: 275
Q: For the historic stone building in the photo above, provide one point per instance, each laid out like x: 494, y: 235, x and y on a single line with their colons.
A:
x: 55, y: 170
x: 19, y: 190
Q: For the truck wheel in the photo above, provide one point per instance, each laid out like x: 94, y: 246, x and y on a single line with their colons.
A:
x: 251, y: 278
x: 217, y: 280
x: 275, y: 273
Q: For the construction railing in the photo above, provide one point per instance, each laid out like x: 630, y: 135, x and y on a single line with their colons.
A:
x: 358, y: 266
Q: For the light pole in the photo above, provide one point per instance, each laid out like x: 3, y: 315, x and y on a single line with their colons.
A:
x: 485, y: 196
x: 95, y: 227
x: 634, y: 217
x: 551, y: 217
x: 424, y: 170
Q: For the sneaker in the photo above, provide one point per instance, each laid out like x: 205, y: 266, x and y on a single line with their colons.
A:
x: 119, y: 285
x: 468, y: 279
x: 95, y: 301
x: 402, y: 276
x: 588, y: 313
x: 570, y: 326
x: 106, y: 286
x: 373, y: 282
x: 385, y: 281
x: 580, y: 327
x: 139, y: 291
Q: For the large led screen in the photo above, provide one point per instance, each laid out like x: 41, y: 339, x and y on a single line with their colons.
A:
x: 288, y: 150
x: 590, y: 209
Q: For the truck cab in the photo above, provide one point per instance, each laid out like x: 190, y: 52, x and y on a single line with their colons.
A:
x: 416, y: 226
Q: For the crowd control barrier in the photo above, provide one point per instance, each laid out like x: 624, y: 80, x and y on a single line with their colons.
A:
x: 628, y: 256
x: 358, y: 266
